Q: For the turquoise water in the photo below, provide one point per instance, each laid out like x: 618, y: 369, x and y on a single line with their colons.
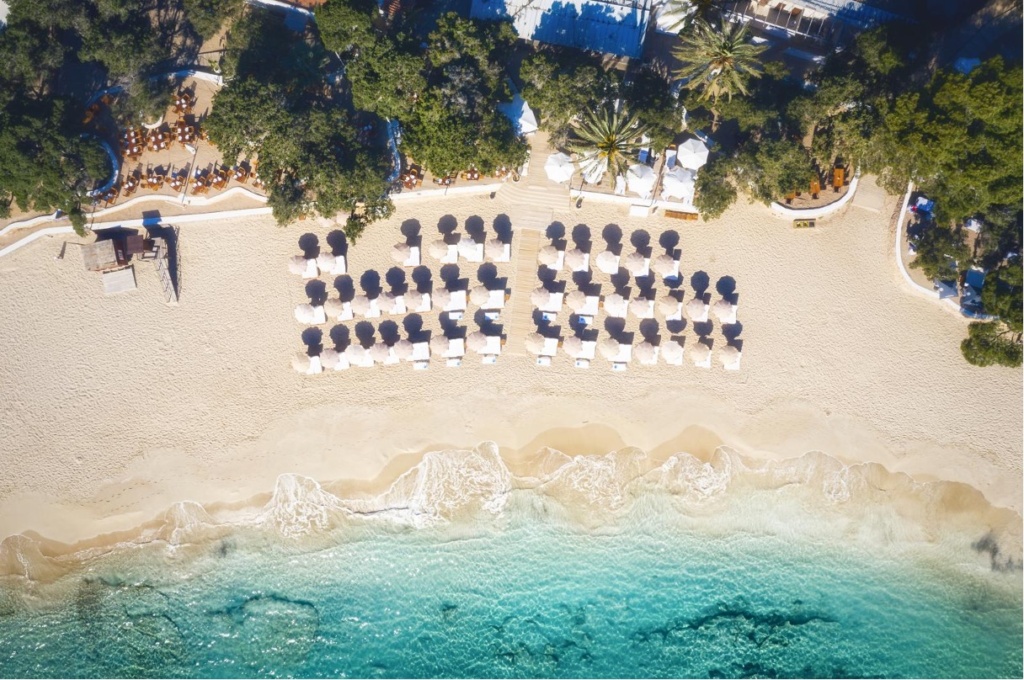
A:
x: 522, y: 597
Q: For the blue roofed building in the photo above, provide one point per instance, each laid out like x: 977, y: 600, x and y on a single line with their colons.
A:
x: 607, y: 26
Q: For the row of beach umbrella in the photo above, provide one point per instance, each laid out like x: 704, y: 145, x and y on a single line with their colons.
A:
x: 608, y: 262
x: 646, y: 352
x: 690, y: 157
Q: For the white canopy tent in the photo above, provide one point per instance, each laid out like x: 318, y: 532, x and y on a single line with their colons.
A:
x: 678, y: 183
x: 641, y: 179
x: 519, y: 112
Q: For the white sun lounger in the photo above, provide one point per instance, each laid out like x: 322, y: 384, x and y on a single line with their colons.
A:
x: 471, y: 250
x: 319, y: 316
x: 420, y: 365
x: 550, y: 347
x: 315, y: 366
x: 591, y: 307
x: 490, y: 359
x: 457, y: 305
x: 425, y: 305
x: 582, y: 363
x: 400, y: 307
x: 414, y: 257
x: 420, y: 352
x: 374, y: 311
x: 589, y: 350
x: 340, y: 265
x: 619, y: 366
x: 676, y: 315
x: 559, y: 263
x: 554, y: 304
x: 346, y: 312
x: 453, y: 363
x: 343, y: 364
x: 543, y: 360
x: 624, y: 356
x: 493, y: 346
x: 653, y: 361
x: 495, y: 300
x: 456, y: 349
x: 392, y: 357
x: 647, y: 268
x: 311, y: 270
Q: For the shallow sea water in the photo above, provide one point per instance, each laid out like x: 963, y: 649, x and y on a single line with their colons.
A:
x: 522, y: 601
x: 515, y: 586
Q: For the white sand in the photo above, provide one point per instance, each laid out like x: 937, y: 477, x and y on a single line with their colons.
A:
x: 115, y: 408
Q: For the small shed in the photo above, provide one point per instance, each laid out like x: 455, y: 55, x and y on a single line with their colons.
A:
x: 119, y: 280
x: 102, y: 255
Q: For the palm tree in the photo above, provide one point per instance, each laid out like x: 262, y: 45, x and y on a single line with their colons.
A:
x: 718, y: 63
x: 605, y: 141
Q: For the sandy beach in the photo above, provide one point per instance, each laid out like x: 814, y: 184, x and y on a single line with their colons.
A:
x: 115, y: 408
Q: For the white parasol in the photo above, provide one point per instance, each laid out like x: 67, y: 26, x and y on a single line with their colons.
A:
x: 400, y: 253
x: 333, y: 307
x: 540, y: 296
x: 438, y: 249
x: 640, y: 179
x: 641, y: 308
x: 548, y: 255
x: 635, y: 264
x: 494, y: 249
x: 672, y: 351
x: 573, y: 346
x: 479, y: 295
x: 609, y: 348
x: 729, y: 356
x: 361, y: 304
x: 305, y: 314
x: 534, y: 343
x: 608, y: 262
x: 616, y: 305
x: 379, y: 352
x: 297, y: 265
x: 700, y: 353
x: 439, y: 344
x: 725, y: 311
x: 693, y: 154
x: 388, y: 302
x: 330, y: 358
x: 697, y: 310
x: 576, y: 259
x: 668, y: 305
x: 559, y: 168
x: 576, y: 300
x: 355, y: 353
x: 646, y: 353
x: 300, y: 362
x: 414, y: 299
x: 442, y: 298
x: 664, y: 265
x: 403, y: 349
x: 476, y: 342
x: 468, y: 248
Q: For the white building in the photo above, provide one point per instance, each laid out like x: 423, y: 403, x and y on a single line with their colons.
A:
x: 825, y: 20
x: 606, y: 26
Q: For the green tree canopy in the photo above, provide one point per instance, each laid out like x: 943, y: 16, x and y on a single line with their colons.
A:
x: 346, y: 25
x: 208, y: 16
x: 774, y: 167
x: 941, y: 253
x: 561, y: 84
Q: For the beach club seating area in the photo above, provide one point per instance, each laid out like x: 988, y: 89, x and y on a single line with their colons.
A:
x: 628, y: 303
x: 416, y: 307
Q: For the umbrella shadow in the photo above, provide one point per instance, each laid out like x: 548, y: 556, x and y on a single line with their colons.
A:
x: 581, y: 238
x: 475, y: 228
x: 389, y: 332
x: 641, y: 240
x: 700, y: 282
x: 546, y: 274
x: 645, y: 284
x: 411, y: 231
x: 341, y: 337
x: 316, y: 290
x: 395, y: 278
x: 726, y: 287
x: 650, y: 331
x: 346, y: 287
x: 675, y: 326
x: 669, y: 240
x: 309, y: 244
x: 451, y: 327
x: 450, y: 276
x: 337, y: 242
x: 487, y: 274
x: 621, y: 280
x: 486, y: 326
x: 366, y: 334
x: 612, y: 235
x: 413, y: 326
x: 313, y: 339
x: 370, y: 283
x: 503, y: 228
x: 423, y: 278
x: 447, y: 226
x: 703, y: 328
x: 732, y: 331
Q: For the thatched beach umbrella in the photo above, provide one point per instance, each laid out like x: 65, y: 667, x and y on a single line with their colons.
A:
x: 548, y: 255
x: 305, y: 314
x: 494, y: 249
x: 730, y: 357
x: 442, y: 298
x: 576, y: 300
x: 439, y: 344
x: 300, y: 362
x: 646, y: 353
x: 641, y: 308
x: 672, y: 351
x: 403, y: 349
x: 635, y: 264
x: 573, y: 346
x: 330, y: 358
x: 607, y: 262
x: 333, y: 307
x: 479, y: 295
x: 725, y: 311
x: 401, y: 252
x: 609, y: 348
x: 616, y: 305
x: 326, y: 262
x: 575, y: 259
x: 361, y: 305
x: 476, y: 341
x: 438, y: 249
x: 697, y: 310
x: 380, y: 352
x: 534, y: 343
x: 540, y: 296
x: 664, y: 265
x: 700, y: 353
x: 297, y: 265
